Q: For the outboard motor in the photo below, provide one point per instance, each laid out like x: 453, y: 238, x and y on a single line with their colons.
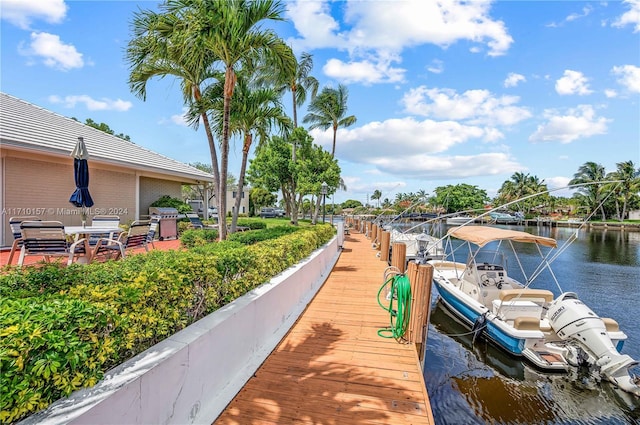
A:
x: 572, y: 320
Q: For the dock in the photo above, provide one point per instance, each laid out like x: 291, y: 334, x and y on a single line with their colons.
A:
x: 332, y: 367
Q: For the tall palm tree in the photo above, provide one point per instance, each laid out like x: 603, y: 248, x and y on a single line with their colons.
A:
x: 156, y: 50
x: 629, y: 177
x: 231, y: 31
x: 328, y: 110
x: 591, y: 172
x: 376, y: 196
x: 253, y: 113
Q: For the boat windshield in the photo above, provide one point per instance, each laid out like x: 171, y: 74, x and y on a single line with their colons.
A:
x: 491, y: 258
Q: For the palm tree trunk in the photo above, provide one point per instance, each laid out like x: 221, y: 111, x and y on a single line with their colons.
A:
x: 229, y: 84
x: 243, y: 167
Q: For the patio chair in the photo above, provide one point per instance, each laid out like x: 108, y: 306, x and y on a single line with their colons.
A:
x: 197, y: 223
x: 14, y: 224
x: 103, y: 221
x: 47, y: 239
x: 154, y: 223
x: 136, y: 237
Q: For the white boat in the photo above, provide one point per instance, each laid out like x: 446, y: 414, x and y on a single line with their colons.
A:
x: 554, y: 333
x: 420, y: 246
x: 505, y: 218
x: 459, y: 220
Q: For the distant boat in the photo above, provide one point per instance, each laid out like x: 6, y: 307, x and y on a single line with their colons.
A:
x: 459, y: 220
x: 505, y: 218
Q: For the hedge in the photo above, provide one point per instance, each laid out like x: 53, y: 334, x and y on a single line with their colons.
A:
x: 62, y: 328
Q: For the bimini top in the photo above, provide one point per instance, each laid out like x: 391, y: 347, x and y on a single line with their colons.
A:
x: 482, y: 235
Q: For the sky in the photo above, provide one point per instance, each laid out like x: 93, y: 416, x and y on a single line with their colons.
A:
x: 444, y: 93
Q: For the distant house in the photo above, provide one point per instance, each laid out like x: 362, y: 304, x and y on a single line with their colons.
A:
x: 36, y: 169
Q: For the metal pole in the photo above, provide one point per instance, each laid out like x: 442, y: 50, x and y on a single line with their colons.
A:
x: 324, y: 198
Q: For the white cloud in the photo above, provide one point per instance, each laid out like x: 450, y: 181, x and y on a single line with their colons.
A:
x: 630, y: 17
x: 436, y: 66
x: 22, y: 12
x: 473, y: 106
x: 424, y: 166
x: 629, y: 77
x: 513, y: 79
x: 378, y: 33
x: 364, y: 72
x: 91, y: 104
x: 610, y: 93
x: 573, y: 82
x: 53, y: 52
x: 575, y: 16
x: 577, y: 123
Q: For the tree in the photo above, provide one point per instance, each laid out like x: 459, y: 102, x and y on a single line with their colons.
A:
x: 104, y: 127
x: 164, y: 44
x: 262, y: 197
x: 461, y: 197
x: 328, y: 110
x: 253, y: 113
x: 520, y: 186
x: 627, y: 188
x: 591, y: 172
x: 376, y: 196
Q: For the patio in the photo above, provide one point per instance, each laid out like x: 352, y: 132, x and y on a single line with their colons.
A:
x: 165, y: 245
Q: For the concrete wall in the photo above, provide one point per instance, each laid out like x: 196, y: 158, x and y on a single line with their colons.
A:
x: 193, y: 375
x: 153, y: 189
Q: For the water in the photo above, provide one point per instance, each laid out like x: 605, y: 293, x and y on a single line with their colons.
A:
x: 481, y: 384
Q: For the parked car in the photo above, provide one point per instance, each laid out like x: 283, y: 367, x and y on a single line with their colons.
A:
x: 280, y: 212
x: 268, y: 212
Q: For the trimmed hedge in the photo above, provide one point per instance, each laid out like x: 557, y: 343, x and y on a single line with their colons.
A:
x: 62, y: 328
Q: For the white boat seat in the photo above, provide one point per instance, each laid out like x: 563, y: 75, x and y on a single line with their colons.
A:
x: 526, y: 294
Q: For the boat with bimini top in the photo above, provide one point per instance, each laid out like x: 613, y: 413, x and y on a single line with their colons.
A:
x: 555, y: 333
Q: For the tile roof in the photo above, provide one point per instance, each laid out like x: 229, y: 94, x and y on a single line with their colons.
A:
x: 30, y: 127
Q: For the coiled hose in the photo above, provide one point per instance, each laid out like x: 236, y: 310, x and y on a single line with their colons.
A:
x: 400, y: 292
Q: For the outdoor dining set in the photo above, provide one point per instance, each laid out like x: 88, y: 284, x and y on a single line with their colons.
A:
x: 103, y: 238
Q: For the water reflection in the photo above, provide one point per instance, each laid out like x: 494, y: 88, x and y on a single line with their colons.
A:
x: 482, y: 384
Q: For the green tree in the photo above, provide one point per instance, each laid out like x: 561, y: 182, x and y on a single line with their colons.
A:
x: 351, y: 203
x: 593, y: 176
x: 376, y: 196
x: 328, y: 110
x: 628, y: 188
x: 163, y: 44
x: 261, y: 197
x: 253, y: 114
x: 522, y: 185
x: 460, y: 197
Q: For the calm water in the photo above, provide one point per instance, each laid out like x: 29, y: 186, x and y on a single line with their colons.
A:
x: 480, y: 384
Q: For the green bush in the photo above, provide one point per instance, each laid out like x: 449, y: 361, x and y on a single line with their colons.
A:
x: 62, y: 328
x: 197, y: 237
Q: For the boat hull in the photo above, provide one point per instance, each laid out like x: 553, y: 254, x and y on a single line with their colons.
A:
x: 470, y: 314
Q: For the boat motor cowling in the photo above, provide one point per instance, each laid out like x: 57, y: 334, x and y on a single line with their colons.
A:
x: 573, y: 321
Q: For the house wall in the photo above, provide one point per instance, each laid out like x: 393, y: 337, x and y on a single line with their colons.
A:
x: 152, y: 189
x: 40, y: 185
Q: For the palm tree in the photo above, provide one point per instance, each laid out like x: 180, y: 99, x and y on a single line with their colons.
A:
x: 231, y: 32
x: 590, y: 172
x: 328, y: 110
x: 376, y: 196
x: 156, y: 51
x: 253, y: 111
x: 629, y: 186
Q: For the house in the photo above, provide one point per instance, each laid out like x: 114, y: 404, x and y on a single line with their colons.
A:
x: 36, y: 169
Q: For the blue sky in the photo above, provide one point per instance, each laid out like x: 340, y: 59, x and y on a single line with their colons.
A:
x: 460, y: 92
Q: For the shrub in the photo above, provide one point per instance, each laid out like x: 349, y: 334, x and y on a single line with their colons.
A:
x: 62, y: 328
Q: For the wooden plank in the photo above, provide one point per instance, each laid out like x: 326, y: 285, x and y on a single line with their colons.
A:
x: 332, y: 366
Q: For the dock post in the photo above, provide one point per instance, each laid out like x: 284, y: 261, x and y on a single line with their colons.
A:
x: 399, y: 256
x: 374, y: 233
x: 425, y: 279
x: 385, y: 241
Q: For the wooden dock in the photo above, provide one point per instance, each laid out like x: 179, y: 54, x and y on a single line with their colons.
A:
x: 333, y: 367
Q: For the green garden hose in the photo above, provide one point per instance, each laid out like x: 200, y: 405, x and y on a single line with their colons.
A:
x: 401, y: 292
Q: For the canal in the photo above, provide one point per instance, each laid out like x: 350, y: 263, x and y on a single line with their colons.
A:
x: 479, y: 384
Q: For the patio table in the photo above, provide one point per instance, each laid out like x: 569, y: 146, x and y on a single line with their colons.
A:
x: 86, y: 231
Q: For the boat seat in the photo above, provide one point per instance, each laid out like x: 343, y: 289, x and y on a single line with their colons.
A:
x: 527, y: 323
x: 526, y: 294
x: 610, y: 324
